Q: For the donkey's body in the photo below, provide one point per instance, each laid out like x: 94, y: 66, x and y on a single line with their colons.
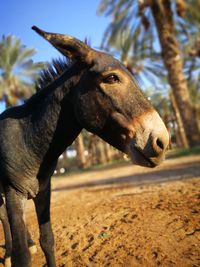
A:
x: 97, y: 93
x: 41, y: 128
x: 32, y: 137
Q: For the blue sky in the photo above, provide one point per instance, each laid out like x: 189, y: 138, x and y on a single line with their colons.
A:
x: 77, y: 18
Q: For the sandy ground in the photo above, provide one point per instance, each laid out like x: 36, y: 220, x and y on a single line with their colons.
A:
x: 125, y: 216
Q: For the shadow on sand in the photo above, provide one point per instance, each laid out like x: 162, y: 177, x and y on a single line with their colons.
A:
x: 182, y: 171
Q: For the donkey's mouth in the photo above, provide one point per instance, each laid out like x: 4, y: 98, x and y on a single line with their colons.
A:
x: 150, y: 162
x: 139, y: 158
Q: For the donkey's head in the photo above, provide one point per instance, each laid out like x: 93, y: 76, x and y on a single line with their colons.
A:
x: 109, y: 103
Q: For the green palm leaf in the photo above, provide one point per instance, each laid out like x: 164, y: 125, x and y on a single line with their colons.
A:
x: 17, y: 70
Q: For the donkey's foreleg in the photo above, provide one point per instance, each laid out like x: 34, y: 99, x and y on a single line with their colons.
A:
x: 20, y: 256
x: 7, y: 234
x: 42, y: 205
x: 31, y: 244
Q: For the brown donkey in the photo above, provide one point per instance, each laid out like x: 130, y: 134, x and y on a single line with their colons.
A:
x: 95, y: 92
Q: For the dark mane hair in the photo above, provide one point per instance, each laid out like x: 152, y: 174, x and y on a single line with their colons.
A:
x: 52, y: 72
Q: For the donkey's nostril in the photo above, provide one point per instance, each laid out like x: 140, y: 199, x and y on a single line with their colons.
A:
x: 160, y: 143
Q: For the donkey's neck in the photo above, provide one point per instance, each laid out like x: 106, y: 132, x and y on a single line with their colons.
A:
x: 52, y: 123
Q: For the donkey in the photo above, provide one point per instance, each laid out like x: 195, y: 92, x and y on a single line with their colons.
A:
x: 95, y: 92
x: 7, y: 234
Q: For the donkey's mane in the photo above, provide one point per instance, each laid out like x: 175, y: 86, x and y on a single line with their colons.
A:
x: 52, y: 72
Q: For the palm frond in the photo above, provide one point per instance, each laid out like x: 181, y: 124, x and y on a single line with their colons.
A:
x: 17, y: 70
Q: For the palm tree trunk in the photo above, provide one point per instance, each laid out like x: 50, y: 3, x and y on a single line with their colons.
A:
x: 108, y: 152
x: 80, y: 157
x: 182, y: 136
x: 92, y: 159
x: 100, y: 151
x: 171, y: 54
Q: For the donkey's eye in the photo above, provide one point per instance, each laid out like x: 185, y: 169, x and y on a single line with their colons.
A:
x: 112, y: 78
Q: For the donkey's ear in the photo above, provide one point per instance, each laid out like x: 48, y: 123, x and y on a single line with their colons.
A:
x: 68, y: 46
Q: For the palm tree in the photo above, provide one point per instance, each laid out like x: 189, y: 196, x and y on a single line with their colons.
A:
x: 171, y: 52
x: 156, y: 17
x: 80, y: 151
x: 17, y: 70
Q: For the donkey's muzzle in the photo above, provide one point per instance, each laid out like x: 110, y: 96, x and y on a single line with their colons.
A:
x: 150, y: 141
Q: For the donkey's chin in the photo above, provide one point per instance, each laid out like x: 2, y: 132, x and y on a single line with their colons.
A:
x: 139, y: 158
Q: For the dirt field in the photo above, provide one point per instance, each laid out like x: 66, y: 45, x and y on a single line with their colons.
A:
x: 125, y: 216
